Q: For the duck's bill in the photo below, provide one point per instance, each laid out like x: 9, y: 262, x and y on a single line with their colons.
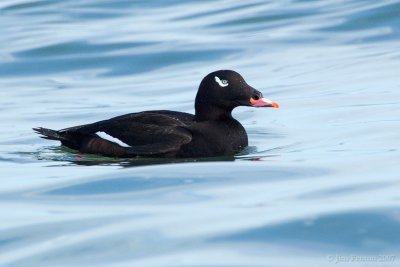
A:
x: 263, y: 102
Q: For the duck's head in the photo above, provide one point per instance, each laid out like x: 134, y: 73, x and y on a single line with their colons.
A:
x: 222, y: 91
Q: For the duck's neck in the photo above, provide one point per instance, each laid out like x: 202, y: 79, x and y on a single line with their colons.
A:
x: 212, y: 113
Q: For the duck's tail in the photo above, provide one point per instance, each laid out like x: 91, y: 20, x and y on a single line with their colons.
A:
x: 51, y: 134
x: 86, y: 143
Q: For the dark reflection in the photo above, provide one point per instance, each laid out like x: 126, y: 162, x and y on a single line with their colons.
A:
x: 136, y: 162
x: 70, y: 156
x: 64, y: 154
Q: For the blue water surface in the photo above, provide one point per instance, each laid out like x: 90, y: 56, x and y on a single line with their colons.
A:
x: 319, y: 184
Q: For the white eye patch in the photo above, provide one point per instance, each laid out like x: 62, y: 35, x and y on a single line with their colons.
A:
x: 222, y: 83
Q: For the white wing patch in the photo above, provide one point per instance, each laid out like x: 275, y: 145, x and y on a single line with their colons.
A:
x: 222, y: 83
x: 112, y: 139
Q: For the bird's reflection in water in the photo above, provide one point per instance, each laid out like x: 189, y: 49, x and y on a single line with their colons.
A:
x: 69, y: 156
x: 137, y: 162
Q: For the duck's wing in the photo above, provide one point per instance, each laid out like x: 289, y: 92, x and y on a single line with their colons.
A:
x: 144, y: 133
x: 170, y: 145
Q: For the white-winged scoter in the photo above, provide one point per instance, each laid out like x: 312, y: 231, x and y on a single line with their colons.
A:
x: 212, y: 131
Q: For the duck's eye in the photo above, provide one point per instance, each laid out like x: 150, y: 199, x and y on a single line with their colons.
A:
x: 222, y: 83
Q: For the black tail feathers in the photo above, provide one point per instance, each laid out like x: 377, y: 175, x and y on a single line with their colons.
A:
x: 51, y: 134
